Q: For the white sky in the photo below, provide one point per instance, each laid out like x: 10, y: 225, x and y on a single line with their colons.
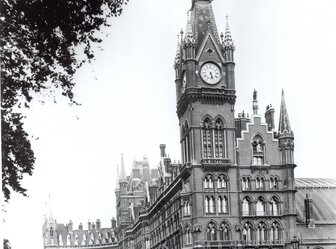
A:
x: 128, y: 102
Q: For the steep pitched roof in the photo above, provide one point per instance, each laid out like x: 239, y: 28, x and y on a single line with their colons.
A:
x: 203, y: 20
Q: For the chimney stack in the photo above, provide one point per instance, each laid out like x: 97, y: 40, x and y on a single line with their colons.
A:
x: 163, y: 150
x: 308, y: 202
x: 269, y: 117
x: 98, y: 224
x: 114, y: 223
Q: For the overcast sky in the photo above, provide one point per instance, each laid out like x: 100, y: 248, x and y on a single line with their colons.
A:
x: 128, y: 102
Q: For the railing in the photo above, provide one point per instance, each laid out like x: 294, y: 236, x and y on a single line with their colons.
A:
x: 227, y: 243
x: 107, y: 245
x: 215, y: 161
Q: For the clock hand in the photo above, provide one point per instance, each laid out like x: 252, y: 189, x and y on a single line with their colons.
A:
x: 211, y: 75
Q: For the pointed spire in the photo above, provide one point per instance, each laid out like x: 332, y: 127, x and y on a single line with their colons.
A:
x: 255, y: 105
x: 117, y: 180
x: 228, y: 42
x: 178, y: 52
x: 284, y: 125
x: 122, y: 173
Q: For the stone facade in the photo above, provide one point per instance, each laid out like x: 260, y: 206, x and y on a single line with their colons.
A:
x: 235, y: 185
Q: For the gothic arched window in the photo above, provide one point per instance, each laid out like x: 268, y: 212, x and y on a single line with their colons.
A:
x: 186, y: 143
x: 188, y: 235
x: 222, y: 182
x: 219, y: 139
x: 274, y: 206
x: 211, y: 232
x: 275, y: 233
x: 246, y: 183
x: 273, y: 182
x: 247, y: 232
x: 51, y: 232
x: 258, y: 150
x: 206, y: 139
x: 262, y: 233
x: 224, y: 231
x: 208, y: 181
x: 246, y: 206
x: 222, y: 204
x: 260, y: 183
x: 186, y: 208
x: 261, y: 205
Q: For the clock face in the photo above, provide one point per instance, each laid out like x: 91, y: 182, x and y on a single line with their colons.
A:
x: 210, y: 73
x: 184, y: 82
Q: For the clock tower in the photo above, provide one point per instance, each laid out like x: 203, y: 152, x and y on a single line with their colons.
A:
x: 205, y: 89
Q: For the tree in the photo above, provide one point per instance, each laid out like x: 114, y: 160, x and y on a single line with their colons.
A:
x: 43, y: 43
x: 6, y: 244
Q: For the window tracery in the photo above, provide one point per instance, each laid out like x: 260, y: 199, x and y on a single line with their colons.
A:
x: 258, y: 150
x: 206, y: 139
x: 211, y: 232
x: 260, y: 207
x: 246, y: 206
x: 224, y: 231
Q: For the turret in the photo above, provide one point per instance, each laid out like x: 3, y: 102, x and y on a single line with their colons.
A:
x: 285, y: 134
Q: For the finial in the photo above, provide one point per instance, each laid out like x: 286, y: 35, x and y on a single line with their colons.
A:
x: 189, y: 37
x: 255, y: 106
x: 228, y: 42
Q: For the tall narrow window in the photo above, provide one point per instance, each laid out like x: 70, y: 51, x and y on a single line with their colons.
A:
x: 188, y: 235
x: 261, y: 206
x: 221, y: 182
x: 222, y: 204
x: 186, y: 208
x: 246, y: 206
x: 219, y: 139
x: 275, y: 233
x: 273, y: 182
x: 51, y: 232
x: 206, y: 204
x: 212, y: 204
x: 245, y: 183
x: 207, y: 148
x: 274, y: 206
x: 211, y: 232
x: 247, y: 233
x: 262, y: 233
x: 186, y: 142
x: 208, y: 181
x: 260, y: 183
x: 258, y: 149
x: 224, y: 232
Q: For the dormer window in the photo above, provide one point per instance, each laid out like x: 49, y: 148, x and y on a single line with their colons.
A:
x: 258, y: 150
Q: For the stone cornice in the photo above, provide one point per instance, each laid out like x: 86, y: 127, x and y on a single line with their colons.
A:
x: 205, y: 95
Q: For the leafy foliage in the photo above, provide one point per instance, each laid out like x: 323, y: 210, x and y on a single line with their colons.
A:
x: 6, y: 244
x: 43, y: 43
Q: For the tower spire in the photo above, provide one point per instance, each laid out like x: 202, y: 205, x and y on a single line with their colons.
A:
x: 117, y: 180
x: 122, y: 173
x: 284, y: 125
